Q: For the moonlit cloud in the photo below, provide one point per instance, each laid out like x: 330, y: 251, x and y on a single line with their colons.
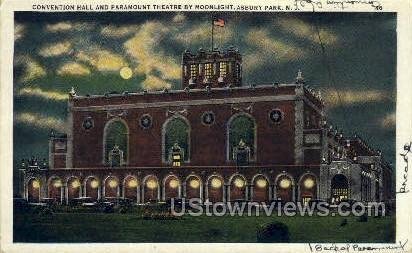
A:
x: 155, y: 83
x: 307, y: 31
x: 37, y: 92
x: 41, y: 121
x: 73, y: 69
x: 102, y: 59
x: 69, y: 26
x: 59, y: 27
x: 143, y: 48
x: 179, y: 18
x: 389, y: 121
x: 334, y: 98
x: 274, y: 48
x: 19, y: 30
x: 201, y: 34
x: 32, y: 69
x: 118, y: 31
x: 266, y: 49
x: 56, y: 49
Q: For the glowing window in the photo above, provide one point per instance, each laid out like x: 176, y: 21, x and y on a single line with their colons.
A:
x: 94, y: 184
x: 261, y: 183
x: 208, y: 70
x: 57, y: 183
x: 193, y: 70
x: 309, y: 183
x: 284, y: 183
x: 151, y: 184
x: 239, y: 183
x: 36, y: 184
x: 223, y: 69
x: 174, y: 183
x: 194, y: 183
x: 113, y: 183
x: 306, y: 200
x: 132, y: 183
x: 216, y: 183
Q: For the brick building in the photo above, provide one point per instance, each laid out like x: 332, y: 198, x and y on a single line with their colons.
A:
x: 214, y: 139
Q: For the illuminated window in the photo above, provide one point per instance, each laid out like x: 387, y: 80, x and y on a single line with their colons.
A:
x: 177, y: 154
x: 193, y: 70
x: 306, y: 200
x: 239, y: 182
x: 340, y: 188
x: 223, y: 69
x: 208, y: 70
x: 174, y: 183
x: 216, y: 183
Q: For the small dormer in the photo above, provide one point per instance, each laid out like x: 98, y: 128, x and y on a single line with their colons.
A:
x: 211, y: 69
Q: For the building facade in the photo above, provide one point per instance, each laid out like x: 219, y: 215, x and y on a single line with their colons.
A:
x: 214, y: 139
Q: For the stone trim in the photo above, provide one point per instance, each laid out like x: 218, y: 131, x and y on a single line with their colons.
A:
x: 158, y: 104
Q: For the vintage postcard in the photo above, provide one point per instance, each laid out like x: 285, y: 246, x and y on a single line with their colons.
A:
x: 182, y: 126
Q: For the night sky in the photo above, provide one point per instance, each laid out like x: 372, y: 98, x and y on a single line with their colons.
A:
x: 356, y: 71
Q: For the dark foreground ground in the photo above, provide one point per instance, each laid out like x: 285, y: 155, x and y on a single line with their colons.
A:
x: 129, y: 227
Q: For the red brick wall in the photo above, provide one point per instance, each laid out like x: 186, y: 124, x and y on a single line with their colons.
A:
x: 275, y: 142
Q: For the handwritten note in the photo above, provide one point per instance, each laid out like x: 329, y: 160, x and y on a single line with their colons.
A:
x: 407, y: 151
x: 335, y: 4
x: 349, y: 247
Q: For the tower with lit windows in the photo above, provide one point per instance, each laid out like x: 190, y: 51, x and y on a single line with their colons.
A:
x: 214, y: 69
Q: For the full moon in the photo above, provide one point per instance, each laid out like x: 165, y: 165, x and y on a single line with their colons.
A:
x: 126, y: 73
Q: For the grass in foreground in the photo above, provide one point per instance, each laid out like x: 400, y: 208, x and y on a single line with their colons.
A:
x: 101, y: 227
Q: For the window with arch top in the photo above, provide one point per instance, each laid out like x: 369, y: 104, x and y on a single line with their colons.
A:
x: 242, y: 136
x: 116, y: 143
x: 176, y: 141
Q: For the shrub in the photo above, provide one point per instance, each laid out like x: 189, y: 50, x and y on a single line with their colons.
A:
x: 344, y: 222
x: 273, y: 232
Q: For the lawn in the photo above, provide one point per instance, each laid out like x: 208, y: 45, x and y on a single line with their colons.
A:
x: 115, y: 227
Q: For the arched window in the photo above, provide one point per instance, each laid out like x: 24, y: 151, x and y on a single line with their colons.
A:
x: 308, y: 188
x: 237, y: 188
x: 116, y: 143
x: 242, y: 139
x: 171, y: 187
x: 260, y: 189
x: 339, y: 188
x: 215, y: 189
x: 176, y: 141
x: 33, y: 190
x: 131, y: 188
x: 284, y: 188
x: 55, y: 189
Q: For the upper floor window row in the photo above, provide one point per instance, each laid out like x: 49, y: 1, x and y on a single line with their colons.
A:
x: 211, y: 69
x: 241, y: 142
